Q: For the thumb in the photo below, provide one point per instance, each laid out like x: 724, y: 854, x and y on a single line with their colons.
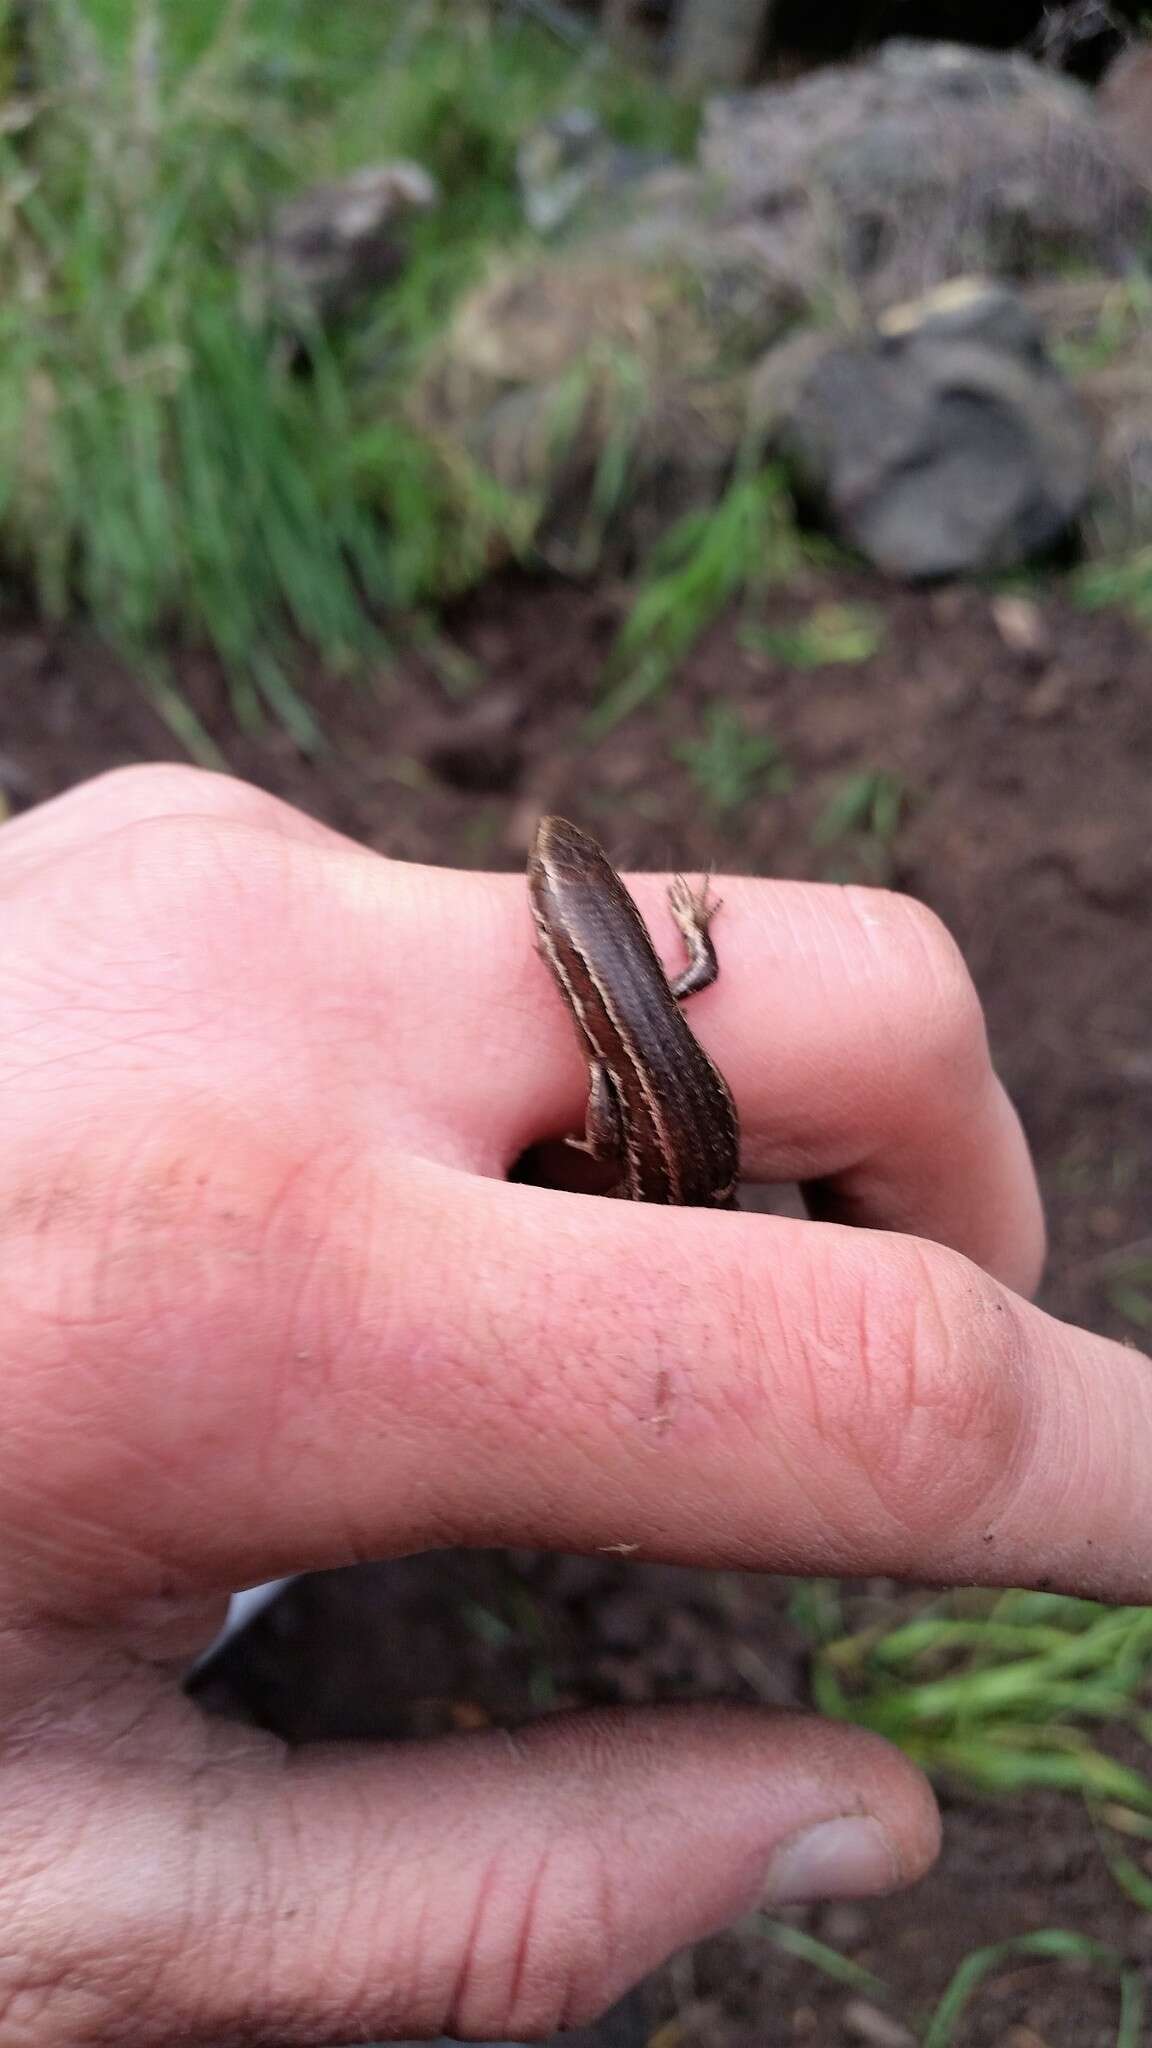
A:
x: 484, y: 1886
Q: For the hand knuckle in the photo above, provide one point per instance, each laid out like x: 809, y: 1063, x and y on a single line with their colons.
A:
x: 145, y: 790
x: 913, y: 1372
x: 186, y: 876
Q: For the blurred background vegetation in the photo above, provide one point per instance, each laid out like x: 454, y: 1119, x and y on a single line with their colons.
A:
x: 163, y: 470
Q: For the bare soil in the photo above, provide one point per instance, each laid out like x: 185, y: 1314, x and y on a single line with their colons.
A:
x: 1021, y: 743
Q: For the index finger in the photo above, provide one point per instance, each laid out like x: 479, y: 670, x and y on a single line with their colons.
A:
x: 843, y: 1019
x: 849, y: 1030
x: 437, y: 1359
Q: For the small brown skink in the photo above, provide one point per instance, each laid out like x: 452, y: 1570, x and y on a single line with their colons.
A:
x: 656, y: 1103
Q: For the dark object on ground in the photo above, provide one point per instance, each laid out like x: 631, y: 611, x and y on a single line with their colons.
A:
x: 478, y: 749
x: 947, y: 444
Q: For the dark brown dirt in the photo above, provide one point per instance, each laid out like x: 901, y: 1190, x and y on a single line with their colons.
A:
x: 1021, y: 740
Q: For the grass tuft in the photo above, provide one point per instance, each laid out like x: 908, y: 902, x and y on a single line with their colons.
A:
x: 163, y: 473
x: 732, y: 764
x: 1129, y: 1291
x: 832, y: 636
x: 1126, y: 583
x: 709, y: 559
x: 870, y: 801
x: 828, y: 1961
x: 165, y: 468
x: 1049, y: 1944
x: 1003, y: 1692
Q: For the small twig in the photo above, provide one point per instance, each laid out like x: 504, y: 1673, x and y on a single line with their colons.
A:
x: 558, y: 20
x: 1068, y: 22
x: 621, y: 26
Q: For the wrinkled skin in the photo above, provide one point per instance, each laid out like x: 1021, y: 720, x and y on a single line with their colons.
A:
x: 269, y: 1302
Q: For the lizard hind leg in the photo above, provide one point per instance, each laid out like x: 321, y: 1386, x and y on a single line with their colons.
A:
x: 693, y: 911
x: 603, y: 1124
x: 603, y: 1138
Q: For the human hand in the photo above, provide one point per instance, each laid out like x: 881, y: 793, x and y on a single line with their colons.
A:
x: 269, y: 1302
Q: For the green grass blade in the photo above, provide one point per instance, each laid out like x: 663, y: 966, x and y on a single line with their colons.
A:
x: 708, y: 560
x: 1130, y: 2032
x: 828, y: 1961
x: 1051, y: 1944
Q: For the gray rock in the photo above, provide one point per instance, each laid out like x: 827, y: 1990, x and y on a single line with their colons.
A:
x: 779, y: 379
x: 946, y: 443
x: 336, y: 243
x: 606, y: 388
x: 930, y: 161
x: 605, y: 395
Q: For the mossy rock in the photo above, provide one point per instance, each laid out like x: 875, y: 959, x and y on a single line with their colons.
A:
x: 605, y: 396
